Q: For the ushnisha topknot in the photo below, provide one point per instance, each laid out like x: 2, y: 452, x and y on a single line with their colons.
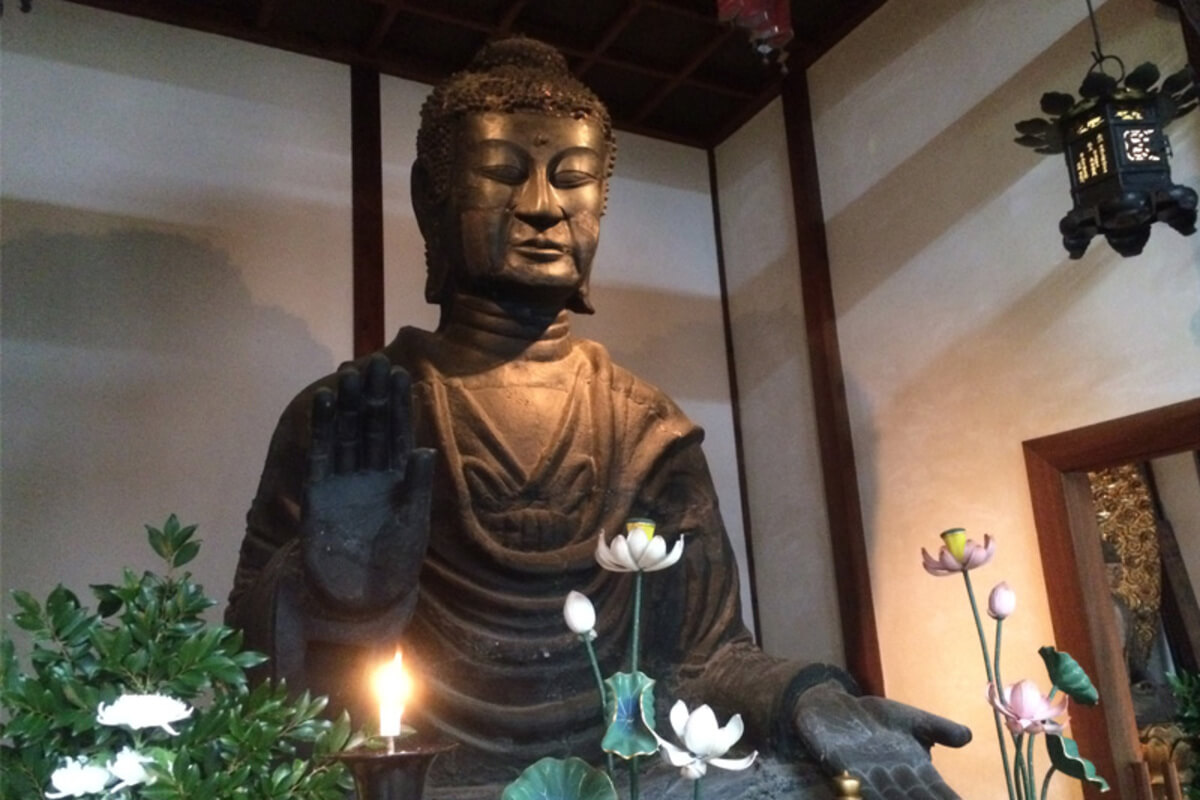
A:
x: 517, y: 74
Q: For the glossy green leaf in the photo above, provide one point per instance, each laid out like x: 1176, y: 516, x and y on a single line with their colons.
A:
x: 1064, y: 755
x: 185, y: 554
x: 561, y: 779
x: 1069, y: 677
x: 629, y: 709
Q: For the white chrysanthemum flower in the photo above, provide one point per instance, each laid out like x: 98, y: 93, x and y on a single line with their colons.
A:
x: 704, y: 740
x: 129, y: 768
x: 77, y: 778
x: 144, y: 711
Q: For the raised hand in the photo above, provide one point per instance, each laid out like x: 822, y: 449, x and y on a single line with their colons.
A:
x: 365, y: 520
x: 883, y: 743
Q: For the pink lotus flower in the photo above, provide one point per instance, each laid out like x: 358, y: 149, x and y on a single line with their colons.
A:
x: 958, y: 554
x: 1026, y: 710
x: 1002, y: 601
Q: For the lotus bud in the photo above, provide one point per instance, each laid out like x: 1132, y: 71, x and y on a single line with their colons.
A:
x: 580, y: 614
x: 1002, y: 601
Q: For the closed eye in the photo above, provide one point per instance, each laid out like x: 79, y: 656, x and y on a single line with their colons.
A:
x: 510, y: 174
x: 572, y: 178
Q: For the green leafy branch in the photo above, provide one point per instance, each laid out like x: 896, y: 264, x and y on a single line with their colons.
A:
x: 147, y: 636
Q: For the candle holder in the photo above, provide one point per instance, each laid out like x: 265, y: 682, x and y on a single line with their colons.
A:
x: 397, y: 772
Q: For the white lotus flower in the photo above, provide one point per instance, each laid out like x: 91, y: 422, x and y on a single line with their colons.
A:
x: 128, y: 768
x: 144, y: 711
x: 77, y: 778
x: 580, y: 614
x: 638, y: 551
x: 704, y: 741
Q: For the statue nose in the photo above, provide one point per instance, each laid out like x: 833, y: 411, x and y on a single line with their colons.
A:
x: 537, y: 203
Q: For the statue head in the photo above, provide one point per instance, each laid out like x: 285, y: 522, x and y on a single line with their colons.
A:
x: 513, y: 160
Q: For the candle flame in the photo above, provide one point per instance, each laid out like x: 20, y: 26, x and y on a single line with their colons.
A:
x: 393, y: 687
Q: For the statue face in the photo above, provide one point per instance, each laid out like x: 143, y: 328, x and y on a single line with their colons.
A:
x: 528, y: 191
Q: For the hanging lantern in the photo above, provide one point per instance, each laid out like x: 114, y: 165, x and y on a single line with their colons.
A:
x: 767, y: 22
x: 1117, y: 153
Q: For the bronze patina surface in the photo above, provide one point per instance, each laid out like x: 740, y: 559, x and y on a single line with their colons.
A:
x: 447, y: 493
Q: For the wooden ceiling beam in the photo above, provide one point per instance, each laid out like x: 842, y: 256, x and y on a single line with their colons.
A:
x: 684, y: 73
x: 566, y: 48
x: 266, y: 13
x: 510, y: 16
x: 383, y: 26
x: 631, y: 10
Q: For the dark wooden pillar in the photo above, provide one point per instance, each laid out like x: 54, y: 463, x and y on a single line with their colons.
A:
x: 850, y: 564
x: 1189, y: 18
x: 367, y: 179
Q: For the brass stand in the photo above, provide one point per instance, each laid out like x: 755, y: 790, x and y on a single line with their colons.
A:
x: 848, y: 787
x: 397, y: 773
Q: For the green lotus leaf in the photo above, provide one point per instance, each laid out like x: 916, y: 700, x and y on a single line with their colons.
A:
x: 561, y: 779
x: 1068, y: 676
x: 629, y: 709
x: 1064, y: 755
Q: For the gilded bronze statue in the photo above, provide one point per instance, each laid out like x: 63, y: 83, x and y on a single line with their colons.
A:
x: 447, y: 493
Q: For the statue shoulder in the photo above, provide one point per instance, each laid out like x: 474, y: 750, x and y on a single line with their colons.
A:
x: 639, y: 398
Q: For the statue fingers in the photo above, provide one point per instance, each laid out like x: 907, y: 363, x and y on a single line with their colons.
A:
x: 321, y: 431
x: 401, y: 419
x: 375, y: 420
x: 347, y: 448
x: 931, y: 729
x: 928, y: 729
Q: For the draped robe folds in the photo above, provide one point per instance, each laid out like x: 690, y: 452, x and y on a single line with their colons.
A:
x: 542, y: 444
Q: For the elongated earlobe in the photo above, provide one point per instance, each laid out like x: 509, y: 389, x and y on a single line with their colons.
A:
x: 427, y: 207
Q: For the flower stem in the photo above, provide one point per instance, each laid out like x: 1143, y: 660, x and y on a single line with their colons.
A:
x: 987, y: 665
x: 1046, y: 781
x: 1019, y: 769
x: 636, y: 633
x: 633, y: 775
x: 996, y: 671
x: 696, y: 789
x: 1029, y: 776
x: 591, y: 651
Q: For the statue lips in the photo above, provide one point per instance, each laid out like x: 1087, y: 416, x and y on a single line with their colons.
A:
x: 541, y: 249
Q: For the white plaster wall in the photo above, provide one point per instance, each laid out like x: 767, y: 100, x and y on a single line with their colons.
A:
x: 964, y: 327
x: 790, y: 528
x: 657, y: 294
x: 176, y: 265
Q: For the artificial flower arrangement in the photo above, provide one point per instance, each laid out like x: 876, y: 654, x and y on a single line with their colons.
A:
x: 1021, y: 707
x: 144, y: 700
x: 628, y: 697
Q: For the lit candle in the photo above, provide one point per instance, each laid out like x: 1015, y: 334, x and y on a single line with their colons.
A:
x: 392, y: 686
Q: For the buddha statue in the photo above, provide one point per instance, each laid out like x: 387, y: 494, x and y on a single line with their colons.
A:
x: 446, y: 493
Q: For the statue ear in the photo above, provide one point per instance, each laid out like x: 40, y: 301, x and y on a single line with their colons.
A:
x: 424, y: 199
x: 428, y: 208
